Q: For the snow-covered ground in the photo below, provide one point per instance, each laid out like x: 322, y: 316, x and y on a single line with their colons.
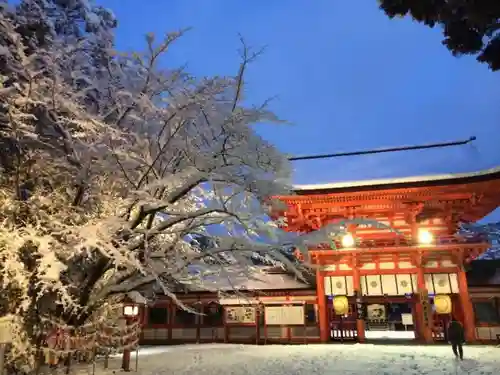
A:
x: 391, y: 335
x: 220, y: 359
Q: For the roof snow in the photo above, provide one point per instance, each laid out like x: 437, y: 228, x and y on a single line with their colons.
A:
x: 245, y: 282
x: 393, y: 181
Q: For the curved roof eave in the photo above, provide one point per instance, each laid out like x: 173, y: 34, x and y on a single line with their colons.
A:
x: 394, y: 183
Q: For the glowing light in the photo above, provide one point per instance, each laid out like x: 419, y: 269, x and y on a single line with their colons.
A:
x: 131, y: 310
x: 348, y: 241
x: 425, y: 237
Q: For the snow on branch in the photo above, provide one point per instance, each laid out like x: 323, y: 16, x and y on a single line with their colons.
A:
x: 111, y: 163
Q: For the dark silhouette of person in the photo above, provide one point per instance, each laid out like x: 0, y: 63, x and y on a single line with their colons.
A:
x: 456, y: 337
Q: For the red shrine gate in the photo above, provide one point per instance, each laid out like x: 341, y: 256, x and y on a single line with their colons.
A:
x: 410, y: 280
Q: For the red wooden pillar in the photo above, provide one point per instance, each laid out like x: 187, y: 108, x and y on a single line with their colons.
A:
x: 143, y: 319
x: 467, y: 308
x: 258, y: 313
x: 143, y: 315
x: 171, y: 316
x: 289, y: 328
x: 417, y: 315
x: 226, y: 327
x: 356, y: 281
x: 199, y: 320
x: 425, y: 332
x: 322, y: 309
x: 126, y: 352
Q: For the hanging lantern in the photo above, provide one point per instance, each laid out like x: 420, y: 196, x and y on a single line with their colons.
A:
x: 442, y: 304
x: 341, y: 305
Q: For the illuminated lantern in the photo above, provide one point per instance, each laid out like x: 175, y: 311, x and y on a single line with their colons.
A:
x: 442, y: 304
x: 425, y: 237
x: 341, y: 305
x: 348, y: 241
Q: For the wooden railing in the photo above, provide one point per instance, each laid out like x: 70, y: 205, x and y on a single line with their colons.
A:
x: 343, y: 331
x: 377, y: 325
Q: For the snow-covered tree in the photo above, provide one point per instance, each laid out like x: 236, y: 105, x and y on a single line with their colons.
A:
x: 109, y: 166
x: 40, y: 22
x: 489, y: 232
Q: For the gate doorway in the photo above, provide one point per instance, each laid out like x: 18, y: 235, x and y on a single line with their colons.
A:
x: 439, y: 327
x: 390, y: 321
x: 342, y: 327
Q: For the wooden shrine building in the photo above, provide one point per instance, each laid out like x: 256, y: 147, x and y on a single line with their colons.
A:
x: 415, y: 270
x: 408, y: 281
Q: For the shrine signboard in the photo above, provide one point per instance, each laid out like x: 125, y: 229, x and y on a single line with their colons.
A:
x: 284, y: 315
x: 240, y: 314
x: 407, y: 319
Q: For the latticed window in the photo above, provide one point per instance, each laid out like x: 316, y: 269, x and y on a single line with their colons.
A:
x: 185, y: 318
x: 214, y: 315
x: 157, y: 315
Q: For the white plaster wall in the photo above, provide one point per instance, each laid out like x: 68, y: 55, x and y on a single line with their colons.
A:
x: 448, y: 263
x: 344, y: 267
x: 368, y: 266
x: 431, y: 264
x: 405, y: 265
x: 387, y: 265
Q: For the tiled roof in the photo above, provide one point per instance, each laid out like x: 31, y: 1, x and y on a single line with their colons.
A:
x: 258, y: 281
x: 434, y: 179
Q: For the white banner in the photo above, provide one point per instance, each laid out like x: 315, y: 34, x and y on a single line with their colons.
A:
x: 284, y: 315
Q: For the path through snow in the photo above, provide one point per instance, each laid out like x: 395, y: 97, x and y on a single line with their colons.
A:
x: 220, y: 359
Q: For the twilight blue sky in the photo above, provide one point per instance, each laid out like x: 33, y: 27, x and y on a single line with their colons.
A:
x: 346, y: 77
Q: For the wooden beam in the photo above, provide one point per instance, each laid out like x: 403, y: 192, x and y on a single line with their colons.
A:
x: 401, y: 249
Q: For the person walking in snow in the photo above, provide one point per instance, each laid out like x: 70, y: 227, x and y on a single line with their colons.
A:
x: 456, y: 337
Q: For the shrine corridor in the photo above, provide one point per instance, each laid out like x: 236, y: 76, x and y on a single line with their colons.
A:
x: 363, y: 359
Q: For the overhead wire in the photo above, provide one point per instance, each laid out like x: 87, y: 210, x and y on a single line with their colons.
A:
x: 383, y: 150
